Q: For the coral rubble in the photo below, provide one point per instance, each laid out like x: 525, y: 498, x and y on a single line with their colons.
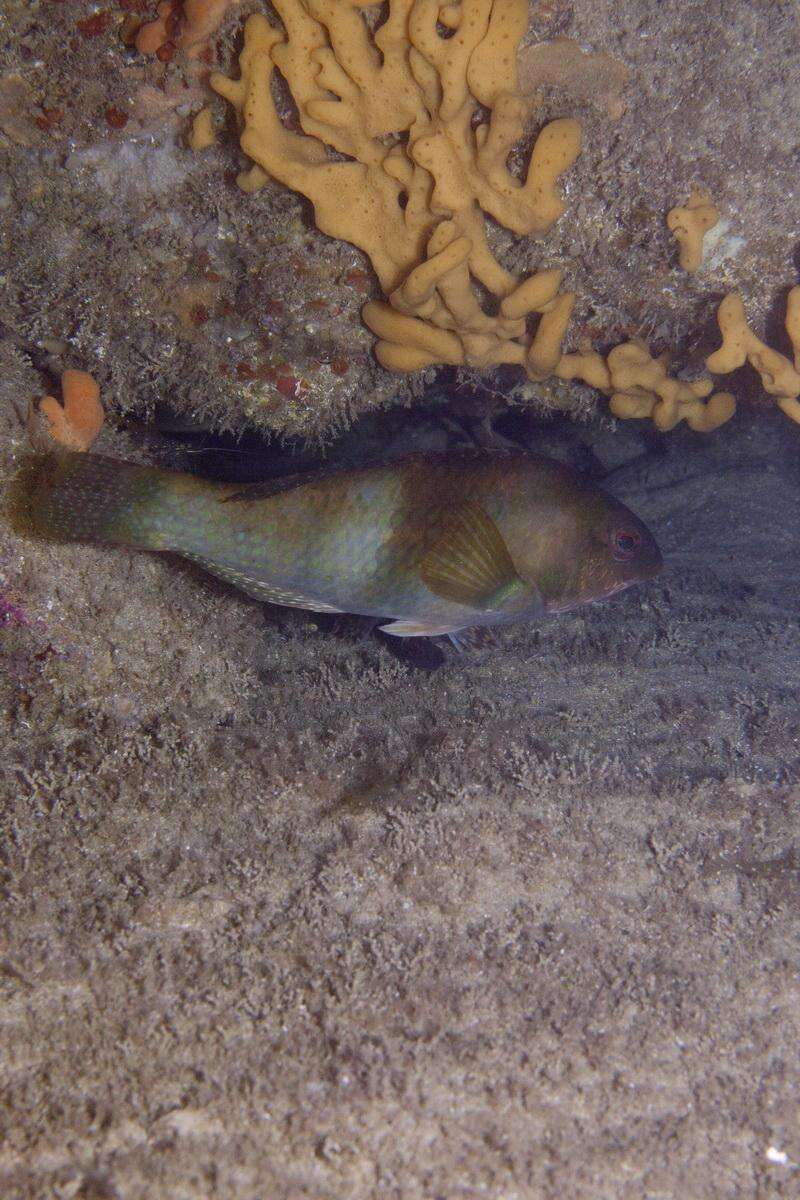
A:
x: 417, y: 164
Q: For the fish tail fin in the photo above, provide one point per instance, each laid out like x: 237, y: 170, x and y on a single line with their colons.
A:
x: 86, y: 497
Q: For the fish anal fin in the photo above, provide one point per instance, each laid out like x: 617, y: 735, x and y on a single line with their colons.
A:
x: 470, y: 563
x: 260, y: 589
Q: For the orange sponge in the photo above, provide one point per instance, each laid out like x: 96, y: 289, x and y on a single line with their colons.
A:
x: 75, y: 423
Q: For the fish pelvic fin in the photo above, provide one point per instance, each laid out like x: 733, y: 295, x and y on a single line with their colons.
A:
x: 417, y: 629
x: 470, y: 564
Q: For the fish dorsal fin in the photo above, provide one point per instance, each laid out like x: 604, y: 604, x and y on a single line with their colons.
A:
x: 273, y: 487
x: 263, y: 489
x: 469, y: 562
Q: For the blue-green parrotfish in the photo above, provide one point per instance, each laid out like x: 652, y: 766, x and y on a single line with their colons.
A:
x: 431, y: 544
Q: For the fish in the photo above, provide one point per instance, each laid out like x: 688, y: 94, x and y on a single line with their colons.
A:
x: 430, y: 544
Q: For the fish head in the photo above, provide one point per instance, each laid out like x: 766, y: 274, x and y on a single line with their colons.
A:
x: 604, y: 548
x: 630, y: 553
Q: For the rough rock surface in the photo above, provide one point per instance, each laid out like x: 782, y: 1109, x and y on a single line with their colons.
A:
x: 288, y: 911
x: 127, y: 255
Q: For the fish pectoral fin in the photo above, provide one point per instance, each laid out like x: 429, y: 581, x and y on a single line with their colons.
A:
x: 470, y: 564
x: 416, y: 629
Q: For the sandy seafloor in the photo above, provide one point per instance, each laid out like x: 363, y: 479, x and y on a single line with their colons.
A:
x: 286, y: 913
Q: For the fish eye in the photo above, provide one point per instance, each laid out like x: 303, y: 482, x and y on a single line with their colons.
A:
x: 625, y: 543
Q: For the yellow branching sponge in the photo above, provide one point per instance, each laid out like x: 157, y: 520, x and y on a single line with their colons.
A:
x: 641, y: 387
x: 202, y: 133
x: 405, y: 145
x: 740, y: 345
x: 689, y: 223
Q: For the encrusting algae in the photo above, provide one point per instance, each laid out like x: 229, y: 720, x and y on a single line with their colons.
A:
x: 431, y: 544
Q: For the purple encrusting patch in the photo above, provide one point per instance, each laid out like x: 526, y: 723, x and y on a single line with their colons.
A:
x: 11, y: 614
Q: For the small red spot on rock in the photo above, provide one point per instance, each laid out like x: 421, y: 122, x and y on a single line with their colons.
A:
x: 317, y: 306
x: 50, y: 118
x: 245, y: 371
x: 273, y: 308
x: 339, y: 366
x: 116, y: 118
x: 291, y: 387
x: 359, y: 280
x: 94, y: 26
x: 166, y: 52
x: 198, y: 314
